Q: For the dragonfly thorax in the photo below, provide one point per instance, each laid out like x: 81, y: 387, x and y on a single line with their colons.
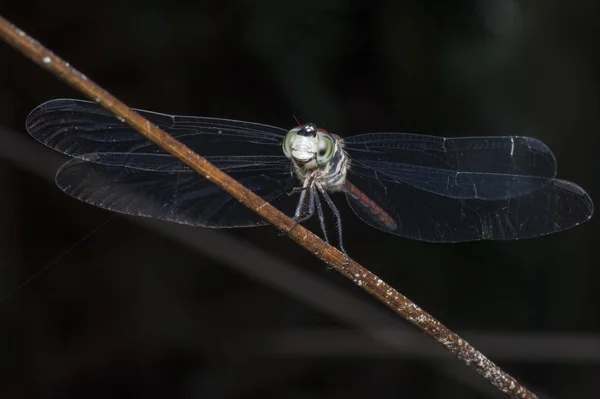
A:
x: 318, y: 155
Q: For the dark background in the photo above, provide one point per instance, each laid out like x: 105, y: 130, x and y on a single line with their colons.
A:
x: 153, y: 310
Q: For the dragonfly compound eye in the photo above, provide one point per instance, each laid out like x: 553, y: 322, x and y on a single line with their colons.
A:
x: 287, y: 142
x: 326, y: 149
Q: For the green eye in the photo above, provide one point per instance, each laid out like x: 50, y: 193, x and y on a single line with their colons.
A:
x: 287, y: 142
x: 326, y: 149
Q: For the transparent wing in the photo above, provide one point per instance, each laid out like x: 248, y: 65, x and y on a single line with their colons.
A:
x: 159, y: 186
x: 425, y: 215
x: 76, y: 127
x: 489, y: 168
x: 465, y: 185
x: 116, y: 168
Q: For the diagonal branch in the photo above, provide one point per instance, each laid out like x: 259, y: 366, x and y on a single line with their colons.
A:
x: 328, y: 254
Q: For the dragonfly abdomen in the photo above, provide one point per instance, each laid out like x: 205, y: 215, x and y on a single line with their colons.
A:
x: 370, y: 206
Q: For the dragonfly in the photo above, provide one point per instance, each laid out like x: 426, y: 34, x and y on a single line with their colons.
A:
x: 422, y: 187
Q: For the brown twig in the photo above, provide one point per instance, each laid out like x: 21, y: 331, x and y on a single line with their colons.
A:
x: 328, y: 254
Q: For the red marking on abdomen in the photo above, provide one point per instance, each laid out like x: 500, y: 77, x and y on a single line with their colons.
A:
x: 371, y: 206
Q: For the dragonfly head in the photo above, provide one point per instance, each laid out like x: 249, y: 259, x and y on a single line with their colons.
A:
x: 308, y: 146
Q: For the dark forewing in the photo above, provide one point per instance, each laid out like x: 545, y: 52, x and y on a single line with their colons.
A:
x: 76, y: 127
x: 428, y: 216
x: 158, y: 186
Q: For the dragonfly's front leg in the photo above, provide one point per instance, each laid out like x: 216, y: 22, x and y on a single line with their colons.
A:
x: 322, y: 219
x: 306, y: 187
x: 298, y: 190
x: 303, y: 190
x: 338, y: 220
x: 299, y: 218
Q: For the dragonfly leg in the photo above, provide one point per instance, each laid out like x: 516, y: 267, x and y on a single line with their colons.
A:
x: 298, y: 190
x: 298, y: 212
x: 338, y: 221
x: 311, y: 209
x: 300, y: 205
x: 321, y: 219
x: 298, y: 217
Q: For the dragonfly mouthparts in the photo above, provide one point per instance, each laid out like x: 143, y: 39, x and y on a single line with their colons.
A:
x: 303, y: 162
